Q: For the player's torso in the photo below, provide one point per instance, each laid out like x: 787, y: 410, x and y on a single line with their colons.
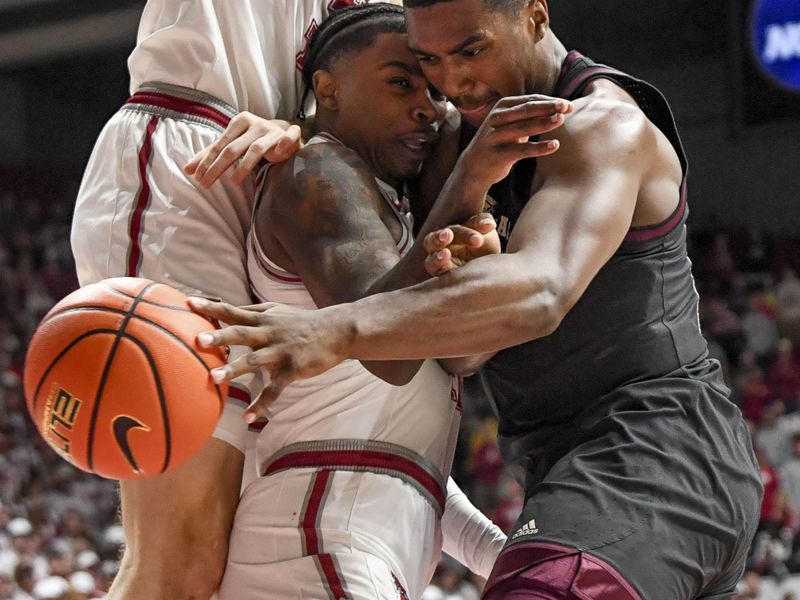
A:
x: 637, y: 320
x: 348, y: 402
x: 247, y: 53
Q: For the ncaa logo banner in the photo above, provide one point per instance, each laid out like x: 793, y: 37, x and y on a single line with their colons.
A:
x: 775, y: 41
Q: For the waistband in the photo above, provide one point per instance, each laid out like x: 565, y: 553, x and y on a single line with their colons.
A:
x: 177, y: 102
x: 370, y: 456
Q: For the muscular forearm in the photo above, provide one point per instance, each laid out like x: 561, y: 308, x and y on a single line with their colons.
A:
x: 491, y: 303
x: 459, y: 199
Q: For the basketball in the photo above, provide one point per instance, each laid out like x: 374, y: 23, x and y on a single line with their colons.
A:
x: 117, y: 385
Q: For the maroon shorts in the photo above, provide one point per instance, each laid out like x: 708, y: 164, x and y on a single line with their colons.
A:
x: 541, y: 571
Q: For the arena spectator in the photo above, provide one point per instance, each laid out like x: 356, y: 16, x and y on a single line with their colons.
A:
x: 774, y: 437
x: 52, y: 504
x: 24, y: 581
x: 758, y: 326
x: 790, y: 475
x: 784, y: 376
x: 486, y: 465
x: 52, y: 587
x: 718, y: 267
x: 788, y: 297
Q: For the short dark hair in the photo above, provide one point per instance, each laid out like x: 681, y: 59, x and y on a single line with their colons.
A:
x: 348, y: 30
x: 508, y: 7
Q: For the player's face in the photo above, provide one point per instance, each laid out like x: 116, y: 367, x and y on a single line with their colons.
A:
x: 473, y: 56
x: 385, y: 103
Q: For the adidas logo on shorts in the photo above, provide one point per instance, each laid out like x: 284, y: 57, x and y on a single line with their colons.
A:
x: 528, y: 529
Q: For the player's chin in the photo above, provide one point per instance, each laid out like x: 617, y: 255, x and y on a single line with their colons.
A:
x: 409, y: 164
x: 409, y: 170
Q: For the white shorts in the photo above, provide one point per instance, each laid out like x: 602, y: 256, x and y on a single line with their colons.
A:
x: 138, y: 215
x: 318, y: 533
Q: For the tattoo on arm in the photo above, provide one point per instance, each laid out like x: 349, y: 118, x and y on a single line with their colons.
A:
x: 328, y: 214
x: 331, y: 219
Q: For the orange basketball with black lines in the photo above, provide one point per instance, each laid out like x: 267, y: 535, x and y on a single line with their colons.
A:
x: 116, y: 383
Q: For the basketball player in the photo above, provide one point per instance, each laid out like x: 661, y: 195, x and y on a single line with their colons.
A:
x: 355, y: 460
x: 197, y: 63
x: 639, y: 474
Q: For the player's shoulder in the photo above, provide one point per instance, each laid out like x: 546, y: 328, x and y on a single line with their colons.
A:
x: 322, y: 176
x: 605, y: 122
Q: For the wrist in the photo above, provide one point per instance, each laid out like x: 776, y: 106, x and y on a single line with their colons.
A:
x: 468, y: 181
x: 465, y: 196
x: 340, y: 321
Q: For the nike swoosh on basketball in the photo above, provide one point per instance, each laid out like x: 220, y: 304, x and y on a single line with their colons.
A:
x: 122, y: 425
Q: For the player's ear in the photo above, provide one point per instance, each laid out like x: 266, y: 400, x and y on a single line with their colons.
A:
x: 325, y: 88
x: 537, y: 17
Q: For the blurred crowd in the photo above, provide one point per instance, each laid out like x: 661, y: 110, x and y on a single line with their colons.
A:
x: 59, y: 532
x: 750, y: 313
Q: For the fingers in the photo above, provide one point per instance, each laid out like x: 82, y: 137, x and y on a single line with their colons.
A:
x: 222, y: 311
x: 469, y: 234
x: 287, y: 146
x: 516, y: 119
x: 258, y: 409
x: 520, y: 150
x: 436, y: 240
x: 276, y: 365
x: 276, y: 146
x: 521, y: 130
x: 465, y: 236
x: 538, y: 149
x: 262, y: 308
x: 235, y: 335
x: 439, y: 263
x: 247, y: 139
x: 203, y: 160
x: 249, y: 145
x: 482, y: 223
x: 530, y: 106
x: 256, y: 149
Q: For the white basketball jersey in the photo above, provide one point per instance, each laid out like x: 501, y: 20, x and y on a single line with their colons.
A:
x: 349, y: 402
x: 247, y: 53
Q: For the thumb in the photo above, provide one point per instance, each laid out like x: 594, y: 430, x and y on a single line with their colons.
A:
x: 482, y: 223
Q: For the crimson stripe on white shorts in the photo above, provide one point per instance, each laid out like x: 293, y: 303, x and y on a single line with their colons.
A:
x: 241, y: 396
x: 366, y: 455
x: 185, y: 104
x: 332, y: 576
x: 312, y: 539
x: 142, y: 201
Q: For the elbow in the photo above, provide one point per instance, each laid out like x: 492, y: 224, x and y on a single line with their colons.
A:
x: 464, y: 366
x: 396, y: 373
x: 546, y: 310
x: 555, y: 313
x: 398, y: 379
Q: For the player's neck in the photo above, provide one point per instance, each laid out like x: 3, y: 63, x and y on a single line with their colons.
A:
x: 544, y: 78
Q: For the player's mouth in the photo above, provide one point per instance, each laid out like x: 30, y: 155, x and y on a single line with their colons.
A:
x: 418, y: 144
x: 474, y: 112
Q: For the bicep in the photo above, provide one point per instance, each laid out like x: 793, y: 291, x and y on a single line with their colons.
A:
x: 336, y: 239
x: 581, y: 210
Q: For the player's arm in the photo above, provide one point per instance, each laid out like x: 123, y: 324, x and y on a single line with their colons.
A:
x: 425, y: 188
x: 248, y: 139
x: 582, y: 206
x: 325, y: 211
x: 488, y: 304
x: 468, y: 535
